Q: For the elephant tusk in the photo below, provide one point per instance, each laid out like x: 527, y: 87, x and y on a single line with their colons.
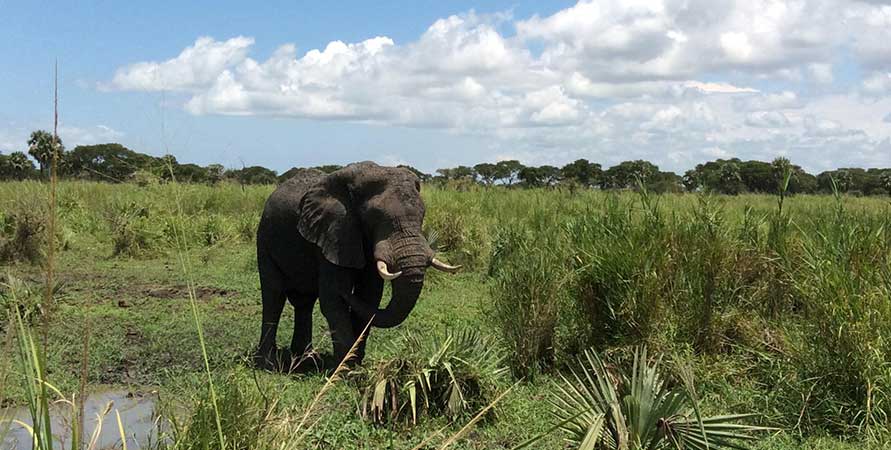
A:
x: 439, y: 265
x: 385, y: 272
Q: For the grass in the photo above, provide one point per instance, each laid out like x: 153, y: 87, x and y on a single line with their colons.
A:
x: 755, y: 296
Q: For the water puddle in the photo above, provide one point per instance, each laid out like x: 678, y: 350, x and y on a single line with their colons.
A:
x: 136, y: 412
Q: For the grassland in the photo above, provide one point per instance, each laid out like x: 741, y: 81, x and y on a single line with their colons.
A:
x: 782, y: 310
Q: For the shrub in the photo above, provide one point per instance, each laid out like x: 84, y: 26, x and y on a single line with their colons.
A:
x: 144, y: 178
x: 23, y: 232
x: 18, y: 296
x: 213, y: 230
x: 450, y: 374
x: 131, y: 230
x: 246, y: 226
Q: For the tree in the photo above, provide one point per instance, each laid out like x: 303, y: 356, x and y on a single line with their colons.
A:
x: 215, y: 173
x: 15, y: 166
x: 40, y: 147
x: 190, y: 173
x: 886, y: 180
x: 729, y: 179
x: 758, y: 176
x: 628, y: 174
x: 531, y: 176
x: 457, y: 173
x: 508, y: 171
x: 254, y: 175
x: 663, y: 182
x: 105, y: 162
x: 550, y: 175
x: 487, y: 172
x: 582, y: 172
x: 693, y: 178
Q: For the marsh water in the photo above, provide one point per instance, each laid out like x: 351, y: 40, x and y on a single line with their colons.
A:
x: 137, y: 417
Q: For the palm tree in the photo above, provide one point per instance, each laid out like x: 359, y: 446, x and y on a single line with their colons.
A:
x: 20, y: 164
x: 40, y: 147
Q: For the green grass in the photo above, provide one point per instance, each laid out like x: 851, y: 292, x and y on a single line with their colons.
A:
x: 753, y: 298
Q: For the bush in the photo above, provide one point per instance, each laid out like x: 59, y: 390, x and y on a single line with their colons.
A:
x: 246, y: 226
x: 451, y: 374
x: 17, y: 294
x: 145, y: 178
x: 131, y: 230
x: 23, y: 232
x: 213, y: 230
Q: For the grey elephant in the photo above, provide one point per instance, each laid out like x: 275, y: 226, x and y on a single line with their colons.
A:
x: 337, y: 238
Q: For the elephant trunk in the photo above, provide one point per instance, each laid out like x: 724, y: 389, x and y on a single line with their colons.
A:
x: 405, y: 296
x: 407, y: 280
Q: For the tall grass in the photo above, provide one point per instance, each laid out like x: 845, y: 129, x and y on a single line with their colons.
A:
x: 793, y: 289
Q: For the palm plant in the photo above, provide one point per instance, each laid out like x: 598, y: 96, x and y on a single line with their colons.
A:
x: 452, y: 374
x: 46, y: 148
x: 602, y: 409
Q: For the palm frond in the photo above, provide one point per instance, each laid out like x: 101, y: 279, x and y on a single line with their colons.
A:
x: 639, y: 409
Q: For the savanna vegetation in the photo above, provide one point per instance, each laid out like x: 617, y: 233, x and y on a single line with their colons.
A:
x: 115, y: 163
x: 583, y: 318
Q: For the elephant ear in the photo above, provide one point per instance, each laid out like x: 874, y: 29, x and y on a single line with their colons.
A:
x: 328, y: 221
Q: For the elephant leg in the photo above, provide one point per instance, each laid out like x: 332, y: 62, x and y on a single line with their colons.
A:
x: 335, y: 283
x: 273, y: 294
x: 369, y: 290
x: 301, y: 340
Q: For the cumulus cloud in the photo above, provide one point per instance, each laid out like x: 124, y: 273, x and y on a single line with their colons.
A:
x: 195, y: 67
x: 665, y: 80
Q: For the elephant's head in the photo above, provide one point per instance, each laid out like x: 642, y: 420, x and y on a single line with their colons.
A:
x: 365, y: 211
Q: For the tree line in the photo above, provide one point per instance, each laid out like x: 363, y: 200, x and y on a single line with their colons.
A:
x: 115, y: 163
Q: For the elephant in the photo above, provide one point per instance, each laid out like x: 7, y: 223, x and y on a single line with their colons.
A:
x: 337, y: 238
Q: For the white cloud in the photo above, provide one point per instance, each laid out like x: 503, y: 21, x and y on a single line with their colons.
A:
x: 767, y: 119
x: 194, y: 68
x: 877, y: 84
x: 821, y: 72
x: 604, y: 79
x: 769, y: 102
x: 719, y: 88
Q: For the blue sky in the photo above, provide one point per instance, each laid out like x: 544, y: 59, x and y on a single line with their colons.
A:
x: 437, y: 84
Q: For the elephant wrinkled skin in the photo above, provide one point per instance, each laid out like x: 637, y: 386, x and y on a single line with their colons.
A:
x: 336, y: 238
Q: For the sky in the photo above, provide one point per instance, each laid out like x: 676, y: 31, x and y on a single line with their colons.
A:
x: 438, y: 84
